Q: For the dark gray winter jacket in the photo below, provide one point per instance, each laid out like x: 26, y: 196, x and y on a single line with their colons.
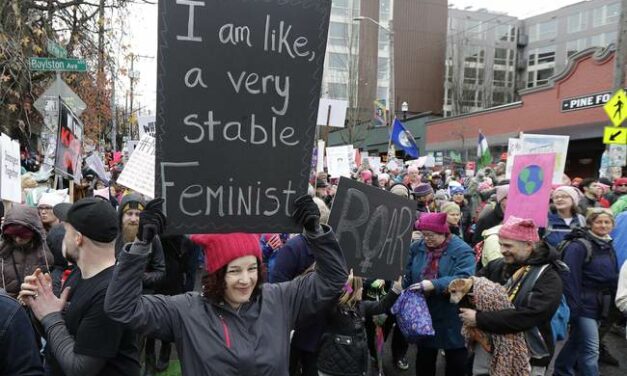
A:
x: 212, y: 338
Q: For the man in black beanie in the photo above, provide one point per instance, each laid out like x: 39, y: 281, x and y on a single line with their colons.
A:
x: 81, y: 337
x: 130, y: 208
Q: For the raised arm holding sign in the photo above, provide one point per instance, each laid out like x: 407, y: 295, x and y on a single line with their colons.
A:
x: 238, y: 91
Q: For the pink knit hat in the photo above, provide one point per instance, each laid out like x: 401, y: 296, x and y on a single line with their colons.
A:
x: 366, y: 175
x: 435, y: 222
x: 501, y: 192
x: 524, y: 230
x: 573, y: 192
x: 220, y: 249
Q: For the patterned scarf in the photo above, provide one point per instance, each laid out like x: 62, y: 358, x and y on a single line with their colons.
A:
x: 433, y: 260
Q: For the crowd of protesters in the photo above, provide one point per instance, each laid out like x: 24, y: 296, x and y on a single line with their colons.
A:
x: 96, y: 288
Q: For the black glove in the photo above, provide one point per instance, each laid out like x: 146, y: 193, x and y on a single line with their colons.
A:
x: 306, y: 213
x: 152, y: 221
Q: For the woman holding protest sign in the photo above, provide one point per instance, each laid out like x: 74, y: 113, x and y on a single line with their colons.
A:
x: 238, y: 325
x: 434, y: 262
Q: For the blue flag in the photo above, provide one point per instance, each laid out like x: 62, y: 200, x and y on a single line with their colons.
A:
x: 404, y: 139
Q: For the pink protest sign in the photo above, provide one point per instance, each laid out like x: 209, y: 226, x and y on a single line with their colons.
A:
x: 530, y: 187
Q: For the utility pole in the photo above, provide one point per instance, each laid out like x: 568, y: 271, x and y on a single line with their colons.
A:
x: 134, y: 76
x: 621, y: 49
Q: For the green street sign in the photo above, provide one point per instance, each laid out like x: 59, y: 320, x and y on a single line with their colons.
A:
x: 56, y: 50
x: 58, y: 65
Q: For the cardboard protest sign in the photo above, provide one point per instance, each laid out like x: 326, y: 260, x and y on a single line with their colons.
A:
x: 542, y: 143
x: 339, y: 160
x: 10, y: 168
x: 530, y: 187
x: 332, y: 112
x: 139, y: 171
x: 146, y: 125
x: 237, y: 103
x: 373, y: 227
x: 514, y: 148
x: 320, y: 156
x: 95, y: 163
x: 68, y: 159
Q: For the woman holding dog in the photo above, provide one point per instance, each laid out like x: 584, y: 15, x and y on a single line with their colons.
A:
x: 433, y: 263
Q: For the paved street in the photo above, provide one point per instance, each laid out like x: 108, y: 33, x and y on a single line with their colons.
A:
x: 617, y: 345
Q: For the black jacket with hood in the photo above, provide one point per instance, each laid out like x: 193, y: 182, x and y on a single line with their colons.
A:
x: 18, y: 262
x: 535, y: 304
x: 154, y: 275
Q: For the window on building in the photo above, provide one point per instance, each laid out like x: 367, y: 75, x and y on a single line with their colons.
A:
x: 340, y: 7
x: 470, y: 76
x: 338, y: 33
x: 544, y: 75
x: 499, y: 78
x: 383, y: 92
x: 546, y: 55
x: 468, y: 98
x: 605, y: 15
x: 574, y: 46
x: 542, y: 55
x: 505, y: 33
x: 603, y: 40
x: 383, y: 69
x: 338, y: 61
x: 498, y: 98
x: 577, y: 22
x: 337, y: 90
x: 531, y: 79
x: 449, y: 73
x: 449, y: 97
x: 474, y: 29
x: 474, y: 54
x: 503, y: 56
x: 543, y: 31
x: 384, y: 10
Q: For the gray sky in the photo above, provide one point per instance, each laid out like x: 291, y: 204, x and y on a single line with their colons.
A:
x: 143, y: 36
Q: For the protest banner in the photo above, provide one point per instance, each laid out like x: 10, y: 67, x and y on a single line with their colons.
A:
x: 146, y: 125
x: 320, y: 153
x: 332, y: 112
x: 139, y: 171
x: 68, y: 160
x: 373, y: 227
x: 514, y: 148
x: 375, y: 164
x: 542, y: 143
x: 10, y: 176
x: 530, y: 187
x: 339, y: 160
x: 95, y: 163
x: 237, y: 103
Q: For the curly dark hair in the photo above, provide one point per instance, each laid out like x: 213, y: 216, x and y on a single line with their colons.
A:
x: 214, y: 284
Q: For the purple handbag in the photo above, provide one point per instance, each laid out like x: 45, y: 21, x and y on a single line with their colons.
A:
x: 412, y: 316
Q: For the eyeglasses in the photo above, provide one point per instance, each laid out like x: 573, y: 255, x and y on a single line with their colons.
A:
x: 430, y: 235
x: 621, y: 185
x: 560, y: 197
x: 44, y: 208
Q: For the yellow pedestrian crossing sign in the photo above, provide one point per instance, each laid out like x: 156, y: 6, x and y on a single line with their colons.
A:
x: 616, y: 107
x: 613, y: 135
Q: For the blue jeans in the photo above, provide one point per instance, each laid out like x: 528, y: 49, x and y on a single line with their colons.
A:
x: 581, y: 349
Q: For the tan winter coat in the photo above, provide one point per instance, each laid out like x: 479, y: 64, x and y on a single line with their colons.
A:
x: 15, y: 263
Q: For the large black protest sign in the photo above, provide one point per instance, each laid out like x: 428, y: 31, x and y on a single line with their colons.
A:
x: 68, y: 155
x: 373, y: 227
x: 237, y: 102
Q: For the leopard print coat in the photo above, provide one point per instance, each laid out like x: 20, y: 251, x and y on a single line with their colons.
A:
x: 510, y: 356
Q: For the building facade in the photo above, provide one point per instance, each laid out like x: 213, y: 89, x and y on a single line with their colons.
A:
x: 543, y: 109
x: 359, y: 59
x: 481, y: 58
x: 551, y: 38
x: 487, y: 66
